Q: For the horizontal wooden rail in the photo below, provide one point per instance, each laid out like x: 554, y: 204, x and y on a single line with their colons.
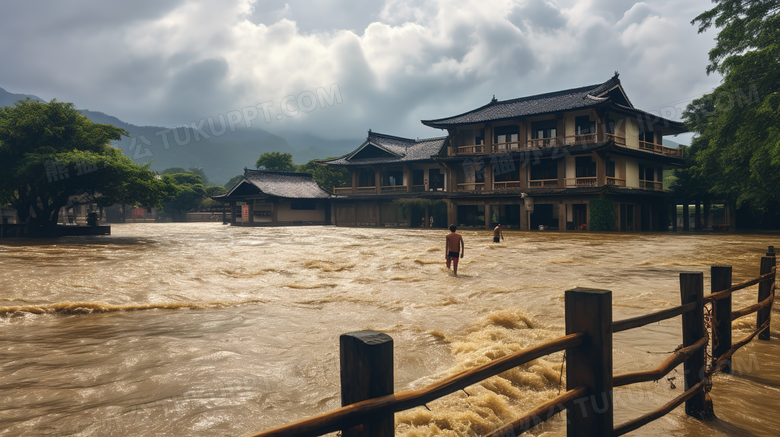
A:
x: 735, y: 347
x: 659, y: 372
x: 636, y: 322
x: 727, y: 292
x: 755, y: 307
x: 540, y: 414
x: 360, y: 412
x: 649, y: 417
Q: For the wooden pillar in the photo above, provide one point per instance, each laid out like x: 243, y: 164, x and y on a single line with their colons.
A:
x: 674, y: 217
x: 686, y: 214
x: 590, y: 364
x: 452, y: 213
x: 523, y: 217
x: 697, y: 216
x: 367, y: 373
x: 692, y: 290
x: 488, y: 216
x: 720, y: 279
x: 488, y: 143
x: 562, y: 217
x: 408, y: 178
x: 489, y: 173
x: 764, y: 287
x: 523, y: 174
x: 707, y: 216
x: 354, y: 179
x: 251, y: 216
x: 377, y: 180
x: 232, y: 213
x: 732, y: 217
x: 378, y: 214
x: 334, y: 218
x: 274, y: 213
x: 561, y: 172
x: 354, y: 214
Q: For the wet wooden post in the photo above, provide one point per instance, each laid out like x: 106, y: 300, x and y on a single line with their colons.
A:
x: 692, y: 290
x: 763, y: 315
x: 366, y: 373
x: 590, y: 364
x: 720, y: 279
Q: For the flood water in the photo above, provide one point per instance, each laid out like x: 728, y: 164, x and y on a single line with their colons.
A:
x: 211, y: 330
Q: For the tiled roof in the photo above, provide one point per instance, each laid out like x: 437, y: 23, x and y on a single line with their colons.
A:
x: 401, y: 149
x: 282, y: 184
x: 566, y: 100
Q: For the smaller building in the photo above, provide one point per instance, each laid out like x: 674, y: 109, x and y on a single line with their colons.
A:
x: 275, y: 198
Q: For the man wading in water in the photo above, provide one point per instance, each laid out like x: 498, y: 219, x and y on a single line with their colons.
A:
x: 497, y: 234
x: 454, y: 245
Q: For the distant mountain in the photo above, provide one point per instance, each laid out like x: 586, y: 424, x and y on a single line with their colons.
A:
x: 669, y: 143
x: 8, y: 99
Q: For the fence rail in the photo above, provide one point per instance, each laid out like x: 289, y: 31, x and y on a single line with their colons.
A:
x: 366, y: 363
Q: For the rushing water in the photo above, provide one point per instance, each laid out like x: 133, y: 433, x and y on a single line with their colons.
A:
x: 204, y: 329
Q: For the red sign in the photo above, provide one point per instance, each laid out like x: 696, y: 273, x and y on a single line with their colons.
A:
x: 245, y: 213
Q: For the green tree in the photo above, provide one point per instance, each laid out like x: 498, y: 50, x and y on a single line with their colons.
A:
x: 276, y: 161
x: 327, y: 177
x: 735, y: 154
x: 173, y: 170
x: 200, y: 172
x: 188, y: 196
x: 212, y: 190
x: 50, y: 153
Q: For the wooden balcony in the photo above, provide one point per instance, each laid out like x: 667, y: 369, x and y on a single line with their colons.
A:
x: 578, y: 140
x: 543, y: 183
x: 471, y: 186
x: 506, y: 185
x: 658, y: 148
x: 617, y: 182
x: 620, y: 141
x: 581, y: 182
x: 393, y: 189
x: 478, y: 149
x: 542, y: 143
x: 342, y: 190
x: 514, y: 146
x: 365, y: 190
x: 651, y: 185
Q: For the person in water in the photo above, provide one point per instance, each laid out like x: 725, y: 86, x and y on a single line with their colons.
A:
x: 498, y: 235
x: 454, y: 249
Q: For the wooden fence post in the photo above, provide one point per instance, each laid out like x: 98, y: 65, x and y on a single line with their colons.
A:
x: 590, y: 364
x: 692, y: 290
x: 720, y: 279
x: 763, y: 292
x: 366, y: 373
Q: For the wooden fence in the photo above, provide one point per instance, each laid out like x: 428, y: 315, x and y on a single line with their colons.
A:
x: 367, y: 363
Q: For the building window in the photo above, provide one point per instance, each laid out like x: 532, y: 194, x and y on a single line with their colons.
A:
x: 309, y: 206
x: 436, y: 180
x: 480, y: 139
x: 544, y: 129
x: 583, y: 125
x: 366, y: 178
x: 545, y: 169
x: 585, y: 167
x: 646, y: 136
x: 611, y: 126
x: 506, y: 134
x: 418, y: 177
x: 393, y: 178
x: 611, y: 169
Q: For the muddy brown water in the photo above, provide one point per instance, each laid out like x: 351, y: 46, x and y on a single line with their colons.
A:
x: 204, y: 329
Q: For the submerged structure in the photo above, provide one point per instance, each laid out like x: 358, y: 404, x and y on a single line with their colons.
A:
x: 564, y: 160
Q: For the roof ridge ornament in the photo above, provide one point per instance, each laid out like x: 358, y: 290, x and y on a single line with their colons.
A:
x: 493, y: 100
x: 616, y: 75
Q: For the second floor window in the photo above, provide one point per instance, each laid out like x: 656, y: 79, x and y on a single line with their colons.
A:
x: 611, y: 169
x: 583, y: 125
x: 544, y: 129
x: 545, y: 169
x: 585, y: 167
x: 506, y: 134
x: 418, y: 177
x: 393, y: 178
x: 366, y: 178
x: 646, y: 136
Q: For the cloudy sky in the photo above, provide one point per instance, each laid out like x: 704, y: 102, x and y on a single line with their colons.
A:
x: 394, y: 62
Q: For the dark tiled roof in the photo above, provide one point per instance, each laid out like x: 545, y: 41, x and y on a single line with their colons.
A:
x: 282, y: 184
x: 402, y: 149
x: 566, y: 100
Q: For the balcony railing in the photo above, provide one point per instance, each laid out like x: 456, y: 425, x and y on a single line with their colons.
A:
x: 543, y: 183
x: 478, y: 149
x: 618, y: 182
x: 342, y: 190
x: 542, y: 143
x: 418, y: 188
x: 580, y: 182
x: 577, y: 140
x: 657, y: 148
x: 514, y: 146
x: 393, y: 189
x: 471, y: 186
x: 651, y: 185
x: 365, y: 190
x: 617, y: 139
x: 506, y: 185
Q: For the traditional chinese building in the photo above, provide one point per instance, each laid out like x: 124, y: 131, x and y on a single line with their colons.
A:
x: 548, y: 161
x: 273, y: 198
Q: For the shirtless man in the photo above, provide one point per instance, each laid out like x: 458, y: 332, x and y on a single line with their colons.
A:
x: 453, y: 246
x: 497, y: 234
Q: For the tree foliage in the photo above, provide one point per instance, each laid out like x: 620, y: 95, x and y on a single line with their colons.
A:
x: 327, y: 177
x: 602, y: 215
x: 276, y: 161
x: 50, y: 155
x: 233, y: 181
x: 735, y: 155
